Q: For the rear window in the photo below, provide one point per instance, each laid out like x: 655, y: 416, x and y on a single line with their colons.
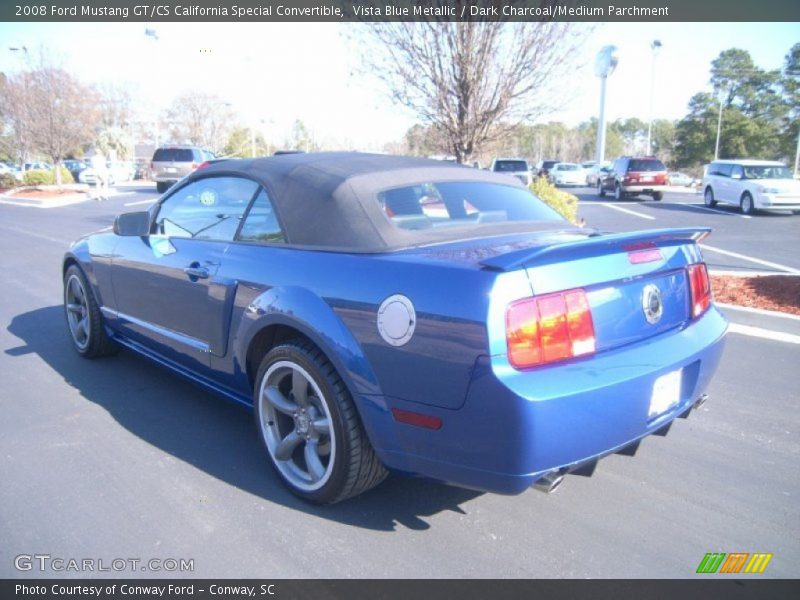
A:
x: 173, y: 155
x: 567, y: 167
x: 465, y: 204
x: 646, y: 164
x: 510, y: 165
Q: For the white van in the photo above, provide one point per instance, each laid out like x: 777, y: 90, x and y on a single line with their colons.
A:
x: 751, y: 185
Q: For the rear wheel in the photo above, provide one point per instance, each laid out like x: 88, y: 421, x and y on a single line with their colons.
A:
x: 708, y: 198
x: 600, y: 190
x: 310, y: 428
x: 657, y: 196
x: 161, y: 187
x: 84, y: 319
x: 746, y: 204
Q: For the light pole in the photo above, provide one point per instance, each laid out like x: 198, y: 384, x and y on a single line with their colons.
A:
x: 655, y: 46
x: 153, y: 34
x: 797, y: 154
x: 719, y: 127
x: 604, y: 65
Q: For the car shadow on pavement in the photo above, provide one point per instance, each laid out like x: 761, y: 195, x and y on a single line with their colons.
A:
x: 215, y: 436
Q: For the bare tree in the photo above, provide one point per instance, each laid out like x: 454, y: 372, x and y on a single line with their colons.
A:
x: 16, y: 115
x: 61, y: 117
x: 472, y: 81
x: 201, y: 119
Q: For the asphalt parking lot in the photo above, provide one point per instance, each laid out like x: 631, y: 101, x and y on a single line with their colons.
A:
x: 118, y: 459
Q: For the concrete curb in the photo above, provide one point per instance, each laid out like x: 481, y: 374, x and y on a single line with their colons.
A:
x: 45, y: 202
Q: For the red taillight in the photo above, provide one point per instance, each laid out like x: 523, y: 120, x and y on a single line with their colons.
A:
x: 203, y: 165
x: 195, y: 165
x: 549, y: 328
x: 700, y: 287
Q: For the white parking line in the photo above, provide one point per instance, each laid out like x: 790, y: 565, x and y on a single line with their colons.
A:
x: 766, y: 334
x: 758, y: 311
x: 752, y: 259
x: 629, y: 211
x: 140, y: 202
x: 714, y: 210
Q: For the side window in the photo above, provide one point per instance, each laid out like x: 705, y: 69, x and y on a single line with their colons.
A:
x: 724, y: 170
x: 737, y: 172
x: 261, y: 223
x: 208, y: 209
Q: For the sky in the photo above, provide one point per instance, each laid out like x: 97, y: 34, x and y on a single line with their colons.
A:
x: 275, y: 73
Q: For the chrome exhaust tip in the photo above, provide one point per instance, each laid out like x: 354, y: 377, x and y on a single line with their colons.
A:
x: 701, y: 400
x: 549, y: 483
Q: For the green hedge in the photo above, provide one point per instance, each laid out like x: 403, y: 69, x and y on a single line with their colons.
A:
x: 564, y: 203
x: 8, y: 181
x: 42, y: 177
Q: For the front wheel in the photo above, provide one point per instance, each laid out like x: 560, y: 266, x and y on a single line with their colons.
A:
x: 84, y: 319
x: 619, y: 195
x: 746, y: 204
x: 600, y: 190
x: 310, y: 428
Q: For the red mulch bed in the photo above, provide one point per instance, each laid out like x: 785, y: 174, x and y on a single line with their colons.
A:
x: 778, y: 292
x: 43, y: 194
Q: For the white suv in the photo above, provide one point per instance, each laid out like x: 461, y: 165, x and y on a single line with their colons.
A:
x: 751, y: 185
x: 518, y: 167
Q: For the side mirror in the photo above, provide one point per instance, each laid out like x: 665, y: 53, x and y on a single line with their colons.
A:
x: 133, y: 224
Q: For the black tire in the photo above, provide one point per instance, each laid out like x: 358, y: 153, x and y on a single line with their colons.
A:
x: 161, y: 187
x: 95, y: 343
x: 708, y: 198
x: 746, y: 204
x: 619, y: 195
x: 356, y: 467
x: 657, y: 196
x: 600, y: 189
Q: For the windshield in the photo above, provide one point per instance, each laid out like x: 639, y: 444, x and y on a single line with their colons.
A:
x: 446, y: 204
x: 567, y: 167
x: 767, y: 172
x: 510, y: 165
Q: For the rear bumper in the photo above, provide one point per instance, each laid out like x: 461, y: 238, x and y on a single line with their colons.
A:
x: 642, y: 189
x: 515, y: 426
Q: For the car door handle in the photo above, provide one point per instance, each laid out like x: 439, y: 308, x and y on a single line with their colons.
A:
x: 196, y: 272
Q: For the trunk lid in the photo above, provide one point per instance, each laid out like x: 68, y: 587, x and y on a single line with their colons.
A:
x: 637, y: 284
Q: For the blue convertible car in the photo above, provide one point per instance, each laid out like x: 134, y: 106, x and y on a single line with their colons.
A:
x: 387, y: 313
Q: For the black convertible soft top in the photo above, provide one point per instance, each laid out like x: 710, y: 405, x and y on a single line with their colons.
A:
x: 328, y: 200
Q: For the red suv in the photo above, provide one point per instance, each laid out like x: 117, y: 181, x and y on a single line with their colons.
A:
x: 631, y: 176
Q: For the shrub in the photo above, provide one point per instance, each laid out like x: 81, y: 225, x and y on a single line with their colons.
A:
x: 42, y: 177
x: 7, y: 180
x: 562, y: 202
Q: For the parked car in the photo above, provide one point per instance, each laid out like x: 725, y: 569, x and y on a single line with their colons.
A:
x: 171, y: 163
x: 74, y: 167
x: 36, y: 166
x: 543, y: 167
x: 563, y: 174
x: 751, y: 185
x: 518, y: 167
x: 120, y: 170
x: 676, y: 178
x: 632, y: 176
x: 595, y: 172
x: 486, y: 342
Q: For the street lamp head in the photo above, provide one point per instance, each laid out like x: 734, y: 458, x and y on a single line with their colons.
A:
x: 151, y: 33
x: 606, y: 61
x: 656, y: 44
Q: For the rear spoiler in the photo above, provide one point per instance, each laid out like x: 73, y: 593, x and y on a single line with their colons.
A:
x: 595, y: 245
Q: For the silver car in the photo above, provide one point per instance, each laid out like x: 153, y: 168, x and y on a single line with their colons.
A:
x: 171, y: 163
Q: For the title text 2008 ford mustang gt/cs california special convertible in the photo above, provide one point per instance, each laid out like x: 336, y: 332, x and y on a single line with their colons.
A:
x: 389, y: 313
